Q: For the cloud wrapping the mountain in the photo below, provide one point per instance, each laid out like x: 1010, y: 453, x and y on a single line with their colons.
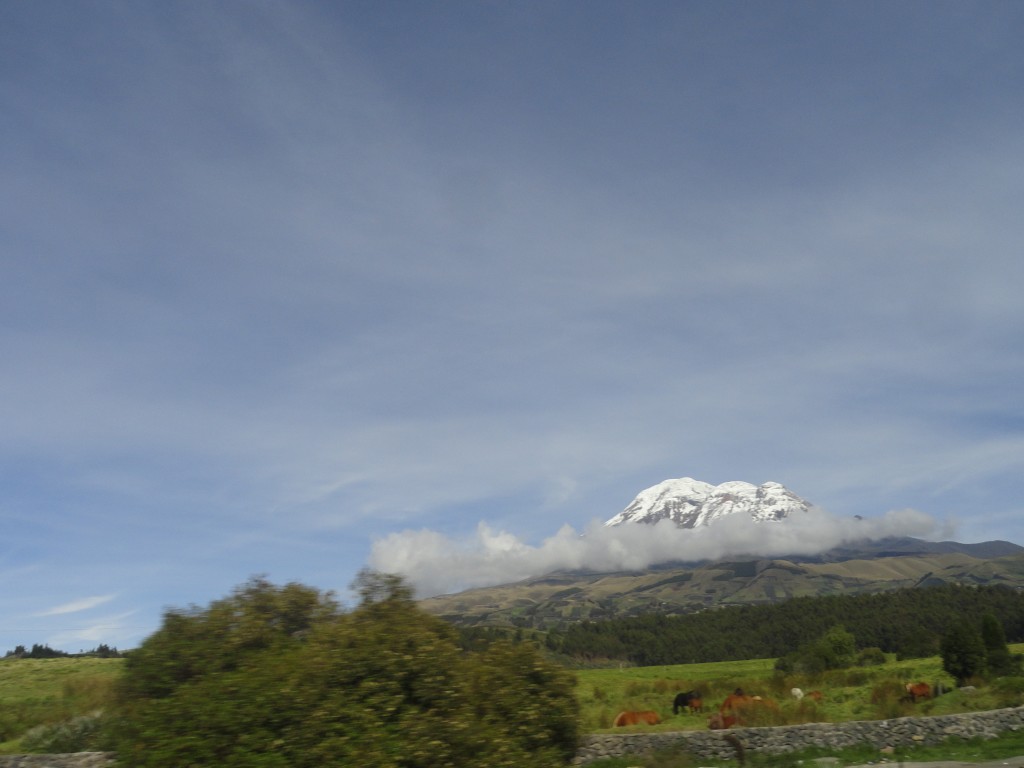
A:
x: 436, y: 564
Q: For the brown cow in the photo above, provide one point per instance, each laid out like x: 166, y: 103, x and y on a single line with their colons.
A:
x: 816, y: 695
x: 735, y: 701
x: 720, y: 722
x: 742, y: 709
x: 636, y: 718
x: 917, y: 691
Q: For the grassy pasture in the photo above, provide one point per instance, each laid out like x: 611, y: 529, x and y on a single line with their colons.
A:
x: 47, y: 691
x: 859, y: 693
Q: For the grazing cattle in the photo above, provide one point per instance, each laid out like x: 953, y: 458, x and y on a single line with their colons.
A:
x: 734, y: 701
x: 917, y: 691
x: 720, y: 722
x: 796, y: 693
x: 742, y: 709
x: 636, y: 718
x: 690, y: 700
x: 816, y: 695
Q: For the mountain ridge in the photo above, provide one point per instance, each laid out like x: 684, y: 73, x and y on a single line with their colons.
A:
x: 552, y: 600
x: 559, y: 597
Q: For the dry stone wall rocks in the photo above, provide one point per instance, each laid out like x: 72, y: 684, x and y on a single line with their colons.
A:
x: 69, y: 760
x: 726, y: 745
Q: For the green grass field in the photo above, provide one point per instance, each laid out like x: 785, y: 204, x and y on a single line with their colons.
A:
x: 859, y: 693
x: 47, y: 691
x: 848, y: 695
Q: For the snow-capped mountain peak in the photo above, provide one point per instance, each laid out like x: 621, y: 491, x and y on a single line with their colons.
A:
x: 689, y: 503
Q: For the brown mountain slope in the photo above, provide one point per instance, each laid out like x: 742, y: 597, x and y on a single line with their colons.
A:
x: 557, y: 598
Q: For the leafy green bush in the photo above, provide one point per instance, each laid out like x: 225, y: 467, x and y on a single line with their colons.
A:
x: 871, y: 657
x: 280, y: 677
x: 836, y: 649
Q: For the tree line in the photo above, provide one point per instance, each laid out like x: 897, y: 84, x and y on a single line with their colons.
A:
x: 44, y: 651
x: 907, y: 622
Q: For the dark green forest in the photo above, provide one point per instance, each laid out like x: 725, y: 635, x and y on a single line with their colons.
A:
x: 908, y: 622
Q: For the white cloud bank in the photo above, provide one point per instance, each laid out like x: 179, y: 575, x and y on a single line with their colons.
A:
x: 436, y: 564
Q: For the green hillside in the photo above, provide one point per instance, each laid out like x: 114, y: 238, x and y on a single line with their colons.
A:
x: 557, y: 600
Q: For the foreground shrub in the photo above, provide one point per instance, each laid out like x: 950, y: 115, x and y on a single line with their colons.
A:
x: 280, y: 677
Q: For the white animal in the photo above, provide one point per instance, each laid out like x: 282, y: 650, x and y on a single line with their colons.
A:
x: 797, y: 693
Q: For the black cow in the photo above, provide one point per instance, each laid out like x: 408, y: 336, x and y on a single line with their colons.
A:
x: 690, y: 700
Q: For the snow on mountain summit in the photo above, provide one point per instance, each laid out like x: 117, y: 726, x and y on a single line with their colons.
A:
x: 689, y: 503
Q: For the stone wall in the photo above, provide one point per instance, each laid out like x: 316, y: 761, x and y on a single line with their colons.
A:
x: 718, y: 745
x: 72, y: 760
x: 714, y: 745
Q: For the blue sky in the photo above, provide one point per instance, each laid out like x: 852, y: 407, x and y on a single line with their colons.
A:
x: 293, y: 288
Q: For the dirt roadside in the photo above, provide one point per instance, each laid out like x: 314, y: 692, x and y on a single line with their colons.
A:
x: 1006, y: 762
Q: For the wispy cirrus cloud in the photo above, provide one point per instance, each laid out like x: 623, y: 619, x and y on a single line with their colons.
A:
x: 77, y: 606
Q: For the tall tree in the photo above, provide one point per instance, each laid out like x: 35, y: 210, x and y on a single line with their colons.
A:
x: 999, y: 661
x: 963, y: 652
